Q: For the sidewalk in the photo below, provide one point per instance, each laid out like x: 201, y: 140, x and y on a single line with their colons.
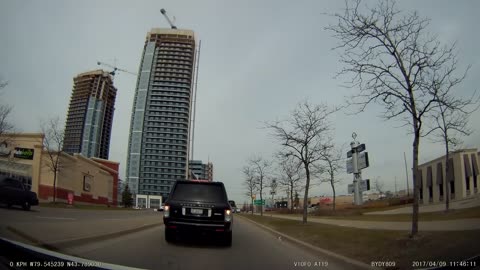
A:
x: 438, y: 207
x: 447, y: 225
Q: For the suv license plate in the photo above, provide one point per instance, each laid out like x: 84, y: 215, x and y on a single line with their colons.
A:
x: 196, y: 211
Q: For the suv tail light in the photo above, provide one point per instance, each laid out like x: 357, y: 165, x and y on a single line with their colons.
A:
x: 228, y: 215
x: 166, y: 211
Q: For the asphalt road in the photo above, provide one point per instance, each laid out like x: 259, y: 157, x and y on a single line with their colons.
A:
x: 49, y: 214
x: 51, y: 225
x: 252, y: 248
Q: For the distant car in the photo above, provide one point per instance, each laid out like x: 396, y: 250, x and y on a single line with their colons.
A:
x: 313, y: 208
x: 13, y: 192
x: 233, y: 205
x: 198, y: 207
x: 238, y: 210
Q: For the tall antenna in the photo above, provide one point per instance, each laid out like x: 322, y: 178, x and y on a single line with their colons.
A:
x: 197, y: 65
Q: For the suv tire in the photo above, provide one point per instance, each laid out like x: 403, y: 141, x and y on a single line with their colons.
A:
x: 169, y: 235
x: 228, y: 239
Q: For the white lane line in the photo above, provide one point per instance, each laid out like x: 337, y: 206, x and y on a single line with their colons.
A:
x: 112, y: 219
x: 62, y: 218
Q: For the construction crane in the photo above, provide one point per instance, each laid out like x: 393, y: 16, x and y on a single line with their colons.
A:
x: 164, y: 12
x: 115, y: 69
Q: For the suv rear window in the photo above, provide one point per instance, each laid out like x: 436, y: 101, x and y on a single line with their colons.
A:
x: 199, y: 192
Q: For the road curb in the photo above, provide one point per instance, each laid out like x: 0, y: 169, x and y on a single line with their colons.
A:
x: 58, y: 245
x: 354, y: 262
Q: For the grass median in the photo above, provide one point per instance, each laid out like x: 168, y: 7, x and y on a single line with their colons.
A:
x: 359, y: 214
x: 452, y: 214
x: 379, y: 245
x: 83, y: 206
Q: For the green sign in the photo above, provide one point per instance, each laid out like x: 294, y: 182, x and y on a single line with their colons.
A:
x: 24, y: 153
x: 259, y: 202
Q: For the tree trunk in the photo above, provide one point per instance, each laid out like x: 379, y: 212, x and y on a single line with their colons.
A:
x: 261, y: 197
x: 447, y: 156
x: 54, y: 185
x: 291, y: 198
x: 416, y: 187
x: 447, y: 181
x: 251, y: 205
x: 305, y: 198
x: 333, y: 189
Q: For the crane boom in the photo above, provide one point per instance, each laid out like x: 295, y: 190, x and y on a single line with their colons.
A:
x: 115, y: 68
x: 164, y: 12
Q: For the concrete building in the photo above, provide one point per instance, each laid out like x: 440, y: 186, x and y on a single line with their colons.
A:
x: 198, y: 168
x: 462, y: 179
x: 90, y: 115
x: 84, y: 180
x: 158, y: 148
x: 209, y: 171
x: 201, y: 170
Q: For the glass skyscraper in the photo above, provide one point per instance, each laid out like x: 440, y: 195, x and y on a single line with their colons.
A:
x: 90, y: 115
x: 158, y: 148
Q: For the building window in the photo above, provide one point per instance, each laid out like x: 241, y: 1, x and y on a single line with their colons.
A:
x: 452, y: 187
x: 440, y: 186
x: 467, y: 182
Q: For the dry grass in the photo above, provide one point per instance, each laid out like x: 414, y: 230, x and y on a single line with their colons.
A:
x: 380, y: 245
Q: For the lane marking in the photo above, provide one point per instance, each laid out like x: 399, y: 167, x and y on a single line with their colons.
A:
x: 62, y: 218
x: 112, y: 219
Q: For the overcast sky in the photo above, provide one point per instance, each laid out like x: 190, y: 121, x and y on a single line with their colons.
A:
x: 258, y: 60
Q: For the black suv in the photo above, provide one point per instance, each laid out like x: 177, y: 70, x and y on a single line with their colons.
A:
x: 13, y: 192
x: 198, y: 206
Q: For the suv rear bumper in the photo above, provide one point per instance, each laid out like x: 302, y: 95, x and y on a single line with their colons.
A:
x: 193, y: 226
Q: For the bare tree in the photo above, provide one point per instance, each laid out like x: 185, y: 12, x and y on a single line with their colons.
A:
x: 303, y: 137
x: 260, y: 169
x: 53, y: 142
x: 250, y: 184
x: 450, y: 116
x: 290, y: 177
x: 334, y: 161
x: 378, y: 185
x: 391, y: 57
x: 5, y: 111
x: 272, y: 185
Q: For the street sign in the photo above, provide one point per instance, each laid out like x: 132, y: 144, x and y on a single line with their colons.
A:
x: 259, y: 202
x: 351, y: 188
x: 360, y: 148
x: 362, y: 160
x: 364, y: 186
x: 350, y: 165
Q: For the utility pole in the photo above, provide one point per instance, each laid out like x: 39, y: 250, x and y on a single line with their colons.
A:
x: 406, y: 173
x: 357, y: 197
x: 197, y: 65
x: 395, y: 186
x: 356, y: 161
